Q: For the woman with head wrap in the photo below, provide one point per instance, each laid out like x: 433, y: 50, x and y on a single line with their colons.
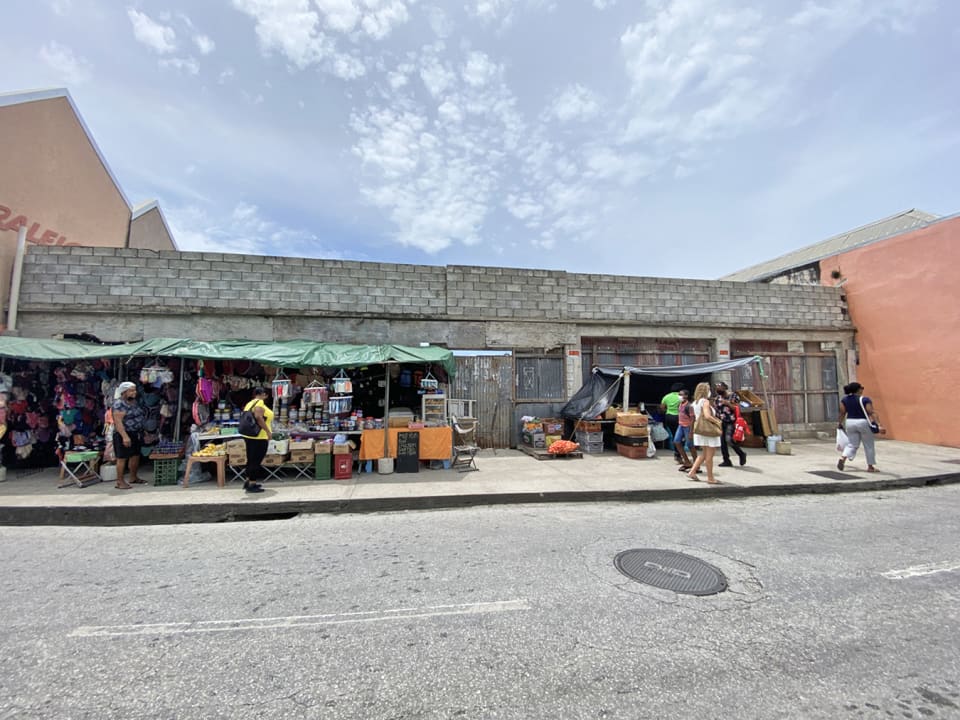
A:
x: 127, y: 434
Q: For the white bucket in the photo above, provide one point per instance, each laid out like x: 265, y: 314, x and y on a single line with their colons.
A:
x: 772, y: 441
x: 385, y: 466
x: 108, y: 473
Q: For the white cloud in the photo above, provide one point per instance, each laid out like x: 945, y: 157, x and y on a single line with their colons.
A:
x: 225, y: 74
x: 71, y: 68
x: 61, y: 7
x: 204, y: 44
x: 479, y: 69
x: 309, y: 32
x: 575, y: 103
x: 242, y: 229
x: 160, y: 38
x: 186, y: 65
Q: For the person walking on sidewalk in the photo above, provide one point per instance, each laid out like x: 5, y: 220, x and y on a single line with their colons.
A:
x: 725, y: 403
x: 127, y: 434
x: 683, y: 439
x: 670, y: 407
x: 708, y: 445
x: 856, y: 417
x: 256, y: 445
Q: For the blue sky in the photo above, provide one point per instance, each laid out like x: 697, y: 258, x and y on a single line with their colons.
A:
x: 678, y: 138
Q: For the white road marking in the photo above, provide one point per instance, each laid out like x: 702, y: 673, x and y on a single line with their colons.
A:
x: 920, y: 570
x: 293, y: 621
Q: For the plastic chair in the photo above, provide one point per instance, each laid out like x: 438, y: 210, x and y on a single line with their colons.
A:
x: 464, y: 448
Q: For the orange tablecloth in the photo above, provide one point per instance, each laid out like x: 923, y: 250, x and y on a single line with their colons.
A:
x: 435, y: 443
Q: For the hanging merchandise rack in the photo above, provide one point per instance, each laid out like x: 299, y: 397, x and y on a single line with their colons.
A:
x: 281, y: 386
x: 342, y: 385
x: 429, y: 383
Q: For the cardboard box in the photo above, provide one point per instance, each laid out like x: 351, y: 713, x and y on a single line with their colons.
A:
x: 235, y: 446
x: 611, y: 413
x: 278, y: 447
x: 630, y: 430
x: 399, y: 422
x: 323, y: 448
x: 749, y: 397
x: 341, y: 449
x: 301, y: 445
x: 552, y: 426
x: 551, y: 439
x: 632, y: 419
x: 301, y: 456
x: 274, y: 460
x: 591, y: 426
x: 534, y: 439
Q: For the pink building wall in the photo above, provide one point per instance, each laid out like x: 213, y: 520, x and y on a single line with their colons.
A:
x: 904, y: 299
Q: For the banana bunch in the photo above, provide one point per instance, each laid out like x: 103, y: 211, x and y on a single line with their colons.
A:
x: 210, y: 450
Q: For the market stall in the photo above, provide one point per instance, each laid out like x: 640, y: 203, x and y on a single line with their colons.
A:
x: 321, y: 391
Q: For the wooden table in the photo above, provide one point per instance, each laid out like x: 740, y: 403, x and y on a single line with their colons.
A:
x: 436, y: 443
x: 220, y: 460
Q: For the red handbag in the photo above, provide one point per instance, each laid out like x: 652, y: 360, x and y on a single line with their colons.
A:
x: 740, y: 427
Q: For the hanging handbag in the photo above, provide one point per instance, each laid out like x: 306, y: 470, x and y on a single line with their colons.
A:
x: 248, y: 424
x: 707, y: 425
x: 740, y: 427
x: 874, y: 427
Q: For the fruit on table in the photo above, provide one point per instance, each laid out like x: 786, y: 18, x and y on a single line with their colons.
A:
x: 211, y: 450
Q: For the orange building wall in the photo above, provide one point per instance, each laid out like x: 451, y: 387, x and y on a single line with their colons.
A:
x: 52, y: 177
x: 904, y: 299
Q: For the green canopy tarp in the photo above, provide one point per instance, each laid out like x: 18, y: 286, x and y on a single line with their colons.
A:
x: 285, y: 353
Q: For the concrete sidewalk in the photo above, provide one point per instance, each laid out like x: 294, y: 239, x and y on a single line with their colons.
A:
x: 505, y: 476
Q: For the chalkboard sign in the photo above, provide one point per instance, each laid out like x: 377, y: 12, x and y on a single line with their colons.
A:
x: 408, y: 452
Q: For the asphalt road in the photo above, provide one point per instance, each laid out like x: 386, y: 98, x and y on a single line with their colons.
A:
x: 841, y: 606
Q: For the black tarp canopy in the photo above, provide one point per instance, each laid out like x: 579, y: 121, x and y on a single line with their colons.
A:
x: 598, y: 393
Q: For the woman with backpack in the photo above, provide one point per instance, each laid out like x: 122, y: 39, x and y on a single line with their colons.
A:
x: 256, y: 437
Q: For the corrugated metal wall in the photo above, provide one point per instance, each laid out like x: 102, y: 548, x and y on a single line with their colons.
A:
x: 488, y: 381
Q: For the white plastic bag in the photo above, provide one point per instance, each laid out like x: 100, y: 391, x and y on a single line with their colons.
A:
x: 842, y: 440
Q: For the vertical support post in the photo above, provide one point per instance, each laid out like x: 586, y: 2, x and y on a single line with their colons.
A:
x: 386, y: 411
x: 15, y: 281
x: 176, y: 428
x: 626, y: 390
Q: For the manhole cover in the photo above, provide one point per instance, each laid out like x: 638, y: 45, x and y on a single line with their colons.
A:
x: 671, y: 570
x: 832, y: 474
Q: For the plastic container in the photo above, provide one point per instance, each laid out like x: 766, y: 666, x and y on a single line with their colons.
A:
x: 772, y: 441
x: 165, y: 472
x: 322, y: 464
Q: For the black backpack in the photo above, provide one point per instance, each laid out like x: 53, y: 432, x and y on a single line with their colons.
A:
x: 248, y: 423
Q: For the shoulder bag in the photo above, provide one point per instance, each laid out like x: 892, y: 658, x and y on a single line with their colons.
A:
x: 707, y: 425
x: 874, y: 427
x: 248, y: 424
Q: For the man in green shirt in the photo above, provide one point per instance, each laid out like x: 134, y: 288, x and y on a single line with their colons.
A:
x: 670, y: 407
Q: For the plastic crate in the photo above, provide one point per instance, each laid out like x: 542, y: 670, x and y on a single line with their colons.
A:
x: 588, y: 438
x: 342, y: 467
x: 594, y: 448
x: 166, y: 472
x: 321, y: 466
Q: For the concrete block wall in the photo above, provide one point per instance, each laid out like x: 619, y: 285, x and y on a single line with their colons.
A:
x: 60, y: 281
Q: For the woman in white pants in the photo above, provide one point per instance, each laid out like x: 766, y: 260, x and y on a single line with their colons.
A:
x: 856, y: 416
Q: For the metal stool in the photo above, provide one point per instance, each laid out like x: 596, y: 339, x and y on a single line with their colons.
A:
x: 80, y: 467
